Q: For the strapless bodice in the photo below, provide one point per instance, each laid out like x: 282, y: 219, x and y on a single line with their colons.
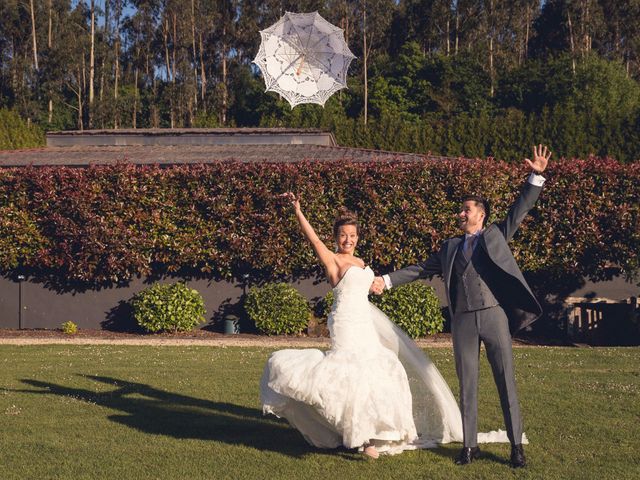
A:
x: 350, y: 322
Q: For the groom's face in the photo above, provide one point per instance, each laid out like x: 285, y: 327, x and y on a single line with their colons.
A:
x: 471, y: 216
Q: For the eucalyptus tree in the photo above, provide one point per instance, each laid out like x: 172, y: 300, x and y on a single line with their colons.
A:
x: 373, y: 20
x: 19, y: 72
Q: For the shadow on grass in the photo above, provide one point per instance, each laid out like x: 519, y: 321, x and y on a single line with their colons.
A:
x: 452, y: 453
x: 159, y: 412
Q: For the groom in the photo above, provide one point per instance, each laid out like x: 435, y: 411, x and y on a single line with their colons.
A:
x: 489, y: 300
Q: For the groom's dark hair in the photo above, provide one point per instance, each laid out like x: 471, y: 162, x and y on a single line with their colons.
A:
x: 480, y: 202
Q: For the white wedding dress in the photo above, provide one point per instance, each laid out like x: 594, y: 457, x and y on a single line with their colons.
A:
x: 374, y: 385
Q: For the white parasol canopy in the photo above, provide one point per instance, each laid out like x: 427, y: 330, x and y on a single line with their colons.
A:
x: 304, y: 58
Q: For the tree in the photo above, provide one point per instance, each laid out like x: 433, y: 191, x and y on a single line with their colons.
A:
x: 374, y: 22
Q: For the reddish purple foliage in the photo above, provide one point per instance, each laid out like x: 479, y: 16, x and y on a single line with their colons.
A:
x: 110, y: 223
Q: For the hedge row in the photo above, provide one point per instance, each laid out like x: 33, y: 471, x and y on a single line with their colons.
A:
x: 16, y: 133
x: 108, y: 224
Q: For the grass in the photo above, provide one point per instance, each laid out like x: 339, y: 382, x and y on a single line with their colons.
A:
x: 125, y: 412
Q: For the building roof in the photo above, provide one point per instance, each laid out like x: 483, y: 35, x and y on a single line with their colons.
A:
x: 180, y: 154
x: 185, y: 146
x: 192, y: 136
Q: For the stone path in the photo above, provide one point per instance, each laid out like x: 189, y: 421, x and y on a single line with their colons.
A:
x: 52, y: 337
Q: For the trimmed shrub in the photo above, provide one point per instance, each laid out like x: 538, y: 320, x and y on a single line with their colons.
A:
x: 16, y: 133
x: 175, y: 308
x: 323, y: 306
x: 414, y: 307
x: 277, y: 308
x: 69, y: 328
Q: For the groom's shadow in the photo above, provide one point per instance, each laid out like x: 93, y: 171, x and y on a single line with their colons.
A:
x: 160, y: 412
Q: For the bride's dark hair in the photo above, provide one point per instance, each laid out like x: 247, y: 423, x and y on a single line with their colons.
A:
x: 345, y: 217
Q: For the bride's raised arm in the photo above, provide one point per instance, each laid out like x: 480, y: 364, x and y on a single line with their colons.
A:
x: 326, y: 256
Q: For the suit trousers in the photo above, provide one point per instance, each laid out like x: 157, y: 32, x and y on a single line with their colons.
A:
x: 490, y: 326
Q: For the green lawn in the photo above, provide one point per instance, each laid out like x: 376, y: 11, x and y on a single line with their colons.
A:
x: 116, y: 412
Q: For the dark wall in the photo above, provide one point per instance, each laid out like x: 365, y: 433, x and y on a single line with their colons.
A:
x: 108, y: 308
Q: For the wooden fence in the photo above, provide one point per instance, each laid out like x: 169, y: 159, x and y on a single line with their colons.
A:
x: 603, y: 321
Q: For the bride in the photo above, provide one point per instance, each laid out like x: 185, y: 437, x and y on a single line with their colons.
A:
x: 374, y: 389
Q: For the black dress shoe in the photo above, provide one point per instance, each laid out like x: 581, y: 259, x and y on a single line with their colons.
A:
x: 517, y: 456
x: 467, y: 455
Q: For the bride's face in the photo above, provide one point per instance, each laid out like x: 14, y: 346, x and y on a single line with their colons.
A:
x: 347, y: 239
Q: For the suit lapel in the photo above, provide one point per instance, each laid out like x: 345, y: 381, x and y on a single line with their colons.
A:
x: 485, y: 234
x: 452, y: 249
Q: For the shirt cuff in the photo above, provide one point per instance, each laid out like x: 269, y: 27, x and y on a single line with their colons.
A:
x: 387, y: 281
x: 536, y: 179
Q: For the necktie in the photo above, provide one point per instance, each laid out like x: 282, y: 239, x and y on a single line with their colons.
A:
x: 468, y: 246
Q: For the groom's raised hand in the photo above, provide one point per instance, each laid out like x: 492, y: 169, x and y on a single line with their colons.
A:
x: 541, y: 157
x: 377, y: 286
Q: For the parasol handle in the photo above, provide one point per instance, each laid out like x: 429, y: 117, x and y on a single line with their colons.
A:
x: 300, y: 66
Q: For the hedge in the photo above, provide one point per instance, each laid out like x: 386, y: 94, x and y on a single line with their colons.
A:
x: 107, y: 224
x: 414, y: 307
x: 168, y: 307
x: 16, y: 133
x: 277, y: 309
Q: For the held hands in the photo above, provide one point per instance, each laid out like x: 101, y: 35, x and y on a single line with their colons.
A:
x: 377, y: 287
x: 293, y: 199
x: 540, y: 158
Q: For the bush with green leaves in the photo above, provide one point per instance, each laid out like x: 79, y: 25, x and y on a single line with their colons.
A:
x: 413, y: 307
x: 16, y: 133
x: 323, y: 306
x: 69, y: 328
x: 277, y: 308
x: 174, y: 307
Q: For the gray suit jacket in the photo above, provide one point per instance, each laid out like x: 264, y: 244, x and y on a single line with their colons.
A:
x: 514, y: 296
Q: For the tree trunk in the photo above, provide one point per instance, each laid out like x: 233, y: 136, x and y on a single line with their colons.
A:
x: 49, y: 35
x: 457, y: 30
x: 100, y: 96
x: 448, y: 38
x: 173, y: 81
x: 165, y: 32
x: 573, y: 57
x: 165, y: 37
x: 491, y: 28
x: 526, y: 35
x: 92, y: 62
x: 134, y: 116
x: 365, y: 61
x: 116, y: 117
x: 175, y: 46
x: 107, y: 34
x: 195, y: 53
x: 223, y: 112
x: 347, y: 23
x: 203, y: 76
x: 33, y: 35
x: 79, y: 94
x: 587, y: 37
x: 155, y: 116
x: 50, y: 46
x: 84, y: 89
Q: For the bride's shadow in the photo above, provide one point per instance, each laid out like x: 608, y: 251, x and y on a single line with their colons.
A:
x: 160, y: 412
